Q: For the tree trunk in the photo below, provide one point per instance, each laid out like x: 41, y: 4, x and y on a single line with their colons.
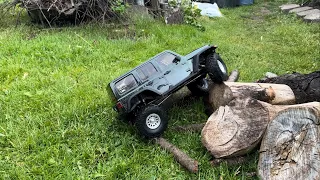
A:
x: 306, y: 87
x: 237, y: 128
x: 290, y: 148
x: 222, y: 94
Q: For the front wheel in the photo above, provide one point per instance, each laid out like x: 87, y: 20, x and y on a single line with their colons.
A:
x: 151, y: 121
x: 216, y: 68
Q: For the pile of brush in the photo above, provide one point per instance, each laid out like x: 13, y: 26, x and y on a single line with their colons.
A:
x: 50, y: 12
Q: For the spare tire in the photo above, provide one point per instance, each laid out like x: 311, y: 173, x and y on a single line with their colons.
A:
x: 216, y: 68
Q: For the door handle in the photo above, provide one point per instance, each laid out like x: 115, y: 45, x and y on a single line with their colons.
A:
x: 167, y: 72
x: 149, y: 83
x: 162, y: 85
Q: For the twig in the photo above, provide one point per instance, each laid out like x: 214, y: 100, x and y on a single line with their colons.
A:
x: 187, y: 162
x: 43, y: 16
x: 52, y: 5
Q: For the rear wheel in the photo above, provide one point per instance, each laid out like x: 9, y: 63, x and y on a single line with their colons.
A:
x: 151, y: 121
x: 199, y: 87
x: 216, y: 68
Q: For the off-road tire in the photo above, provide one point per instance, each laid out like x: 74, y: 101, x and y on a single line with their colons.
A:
x: 144, y: 122
x: 200, y: 87
x: 216, y: 74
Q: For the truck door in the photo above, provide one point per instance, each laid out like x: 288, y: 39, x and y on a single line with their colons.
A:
x: 175, y: 70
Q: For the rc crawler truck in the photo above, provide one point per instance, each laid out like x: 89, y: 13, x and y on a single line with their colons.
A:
x: 141, y: 92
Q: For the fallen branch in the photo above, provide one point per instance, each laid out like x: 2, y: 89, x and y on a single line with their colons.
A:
x: 234, y: 76
x: 187, y: 162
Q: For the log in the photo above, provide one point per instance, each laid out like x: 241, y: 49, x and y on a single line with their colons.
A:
x: 222, y: 94
x: 306, y: 87
x: 235, y: 129
x: 234, y: 76
x: 187, y: 162
x: 290, y: 148
x: 238, y: 127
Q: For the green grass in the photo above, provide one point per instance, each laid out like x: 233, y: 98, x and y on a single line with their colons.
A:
x: 56, y: 120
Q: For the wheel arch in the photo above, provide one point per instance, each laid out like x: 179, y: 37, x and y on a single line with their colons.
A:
x: 142, y: 97
x: 203, y: 52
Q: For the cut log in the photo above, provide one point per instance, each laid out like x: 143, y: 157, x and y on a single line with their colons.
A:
x: 222, y: 94
x: 306, y: 87
x: 187, y: 162
x: 238, y: 127
x: 277, y: 93
x: 235, y: 129
x: 290, y: 148
x: 209, y: 109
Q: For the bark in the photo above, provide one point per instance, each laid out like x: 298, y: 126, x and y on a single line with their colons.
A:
x: 306, y: 87
x: 290, y: 148
x: 187, y: 162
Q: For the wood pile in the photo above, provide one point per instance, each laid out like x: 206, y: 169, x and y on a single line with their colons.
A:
x: 252, y: 115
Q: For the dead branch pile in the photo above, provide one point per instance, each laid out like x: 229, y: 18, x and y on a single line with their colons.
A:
x: 77, y: 11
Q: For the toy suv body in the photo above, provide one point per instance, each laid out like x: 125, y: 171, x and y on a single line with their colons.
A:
x: 141, y: 92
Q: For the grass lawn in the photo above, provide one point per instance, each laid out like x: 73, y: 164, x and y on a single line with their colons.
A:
x: 56, y: 119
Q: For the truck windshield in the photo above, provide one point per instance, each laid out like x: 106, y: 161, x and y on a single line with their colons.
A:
x: 126, y: 84
x: 165, y: 60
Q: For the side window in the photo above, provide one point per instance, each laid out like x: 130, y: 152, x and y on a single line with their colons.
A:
x: 126, y: 84
x: 165, y: 60
x: 146, y: 71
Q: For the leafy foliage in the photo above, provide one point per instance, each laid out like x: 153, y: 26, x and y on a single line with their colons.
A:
x: 191, y: 13
x: 119, y: 6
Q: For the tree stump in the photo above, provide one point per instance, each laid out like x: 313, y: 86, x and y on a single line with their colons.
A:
x: 290, y: 148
